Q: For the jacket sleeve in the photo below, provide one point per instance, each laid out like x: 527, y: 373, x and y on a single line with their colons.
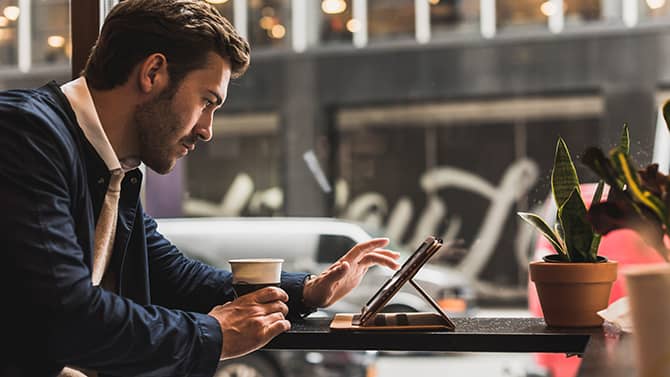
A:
x: 180, y: 282
x: 54, y: 311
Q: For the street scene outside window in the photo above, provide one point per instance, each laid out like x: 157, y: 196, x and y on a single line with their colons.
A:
x: 401, y: 119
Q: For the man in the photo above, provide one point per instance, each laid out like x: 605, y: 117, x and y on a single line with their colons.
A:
x: 87, y: 280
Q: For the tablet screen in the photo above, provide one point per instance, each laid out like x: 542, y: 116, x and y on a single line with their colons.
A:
x: 422, y: 254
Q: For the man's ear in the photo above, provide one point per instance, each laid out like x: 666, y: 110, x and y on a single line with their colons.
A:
x: 153, y: 74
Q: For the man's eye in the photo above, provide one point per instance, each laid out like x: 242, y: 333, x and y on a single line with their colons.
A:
x: 208, y: 103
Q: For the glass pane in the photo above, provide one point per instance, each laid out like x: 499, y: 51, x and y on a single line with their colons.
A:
x: 337, y: 24
x: 51, y: 41
x: 522, y: 13
x: 8, y: 33
x: 449, y: 16
x: 269, y: 23
x: 579, y: 12
x: 654, y: 10
x: 225, y: 7
x: 390, y: 19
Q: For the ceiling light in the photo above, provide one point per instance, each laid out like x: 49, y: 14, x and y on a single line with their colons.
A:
x: 548, y: 8
x: 333, y: 6
x: 278, y: 31
x: 353, y: 25
x: 56, y: 41
x: 655, y: 4
x: 217, y: 1
x: 12, y: 12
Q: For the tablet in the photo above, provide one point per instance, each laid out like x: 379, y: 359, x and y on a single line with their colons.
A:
x: 422, y: 254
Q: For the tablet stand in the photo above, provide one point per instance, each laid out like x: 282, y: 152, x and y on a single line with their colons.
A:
x: 434, y: 304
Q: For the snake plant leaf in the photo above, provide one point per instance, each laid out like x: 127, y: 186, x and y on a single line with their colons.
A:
x: 596, y: 160
x: 624, y: 140
x: 564, y: 175
x: 595, y: 242
x: 666, y: 113
x: 578, y: 230
x: 638, y: 193
x: 545, y: 229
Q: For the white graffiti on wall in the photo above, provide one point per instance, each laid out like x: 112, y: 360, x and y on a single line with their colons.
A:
x: 373, y: 208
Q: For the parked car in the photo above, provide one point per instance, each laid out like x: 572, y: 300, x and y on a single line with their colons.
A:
x: 310, y: 245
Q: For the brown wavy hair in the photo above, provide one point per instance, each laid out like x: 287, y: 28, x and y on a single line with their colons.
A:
x: 185, y: 31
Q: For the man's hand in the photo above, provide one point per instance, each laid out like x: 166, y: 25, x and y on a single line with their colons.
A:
x: 251, y: 321
x: 345, y: 274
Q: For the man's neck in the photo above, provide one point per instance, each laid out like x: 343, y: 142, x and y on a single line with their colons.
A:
x: 115, y: 109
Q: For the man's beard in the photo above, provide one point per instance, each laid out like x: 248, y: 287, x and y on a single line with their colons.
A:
x: 157, y: 125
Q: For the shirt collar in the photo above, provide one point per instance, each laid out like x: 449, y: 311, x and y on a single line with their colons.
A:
x: 76, y: 91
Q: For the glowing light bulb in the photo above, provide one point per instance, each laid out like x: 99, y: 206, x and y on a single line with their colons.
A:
x: 278, y: 31
x: 12, y: 12
x: 548, y: 8
x: 655, y: 4
x: 217, y: 1
x: 353, y: 25
x: 56, y: 41
x: 333, y: 6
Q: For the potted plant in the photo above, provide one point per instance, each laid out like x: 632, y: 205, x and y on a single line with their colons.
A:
x: 575, y: 283
x: 638, y: 199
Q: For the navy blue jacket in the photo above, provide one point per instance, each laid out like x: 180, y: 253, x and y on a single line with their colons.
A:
x: 52, y: 184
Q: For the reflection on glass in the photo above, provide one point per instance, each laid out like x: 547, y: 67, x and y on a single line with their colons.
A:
x: 523, y: 13
x: 337, y: 24
x: 9, y: 16
x: 652, y: 10
x: 390, y: 19
x: 225, y: 7
x: 269, y: 23
x: 579, y: 12
x: 449, y: 16
x: 50, y: 31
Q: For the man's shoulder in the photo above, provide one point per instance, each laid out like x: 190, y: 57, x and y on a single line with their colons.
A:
x: 36, y: 110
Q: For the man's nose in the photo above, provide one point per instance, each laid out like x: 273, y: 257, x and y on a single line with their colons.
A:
x: 204, y: 127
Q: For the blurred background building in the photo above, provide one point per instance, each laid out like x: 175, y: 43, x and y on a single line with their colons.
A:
x: 425, y: 116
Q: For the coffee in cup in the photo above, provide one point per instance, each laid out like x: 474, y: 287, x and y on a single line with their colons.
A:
x: 252, y: 274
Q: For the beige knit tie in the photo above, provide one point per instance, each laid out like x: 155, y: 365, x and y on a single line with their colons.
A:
x: 105, y: 229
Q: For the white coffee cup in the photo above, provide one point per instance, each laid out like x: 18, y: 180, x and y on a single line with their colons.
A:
x: 255, y: 273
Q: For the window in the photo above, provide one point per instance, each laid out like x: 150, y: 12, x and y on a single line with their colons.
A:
x: 390, y: 19
x: 225, y: 7
x: 9, y: 16
x: 50, y: 32
x: 337, y: 24
x: 652, y: 10
x: 269, y: 23
x: 449, y: 16
x: 580, y: 12
x: 522, y: 14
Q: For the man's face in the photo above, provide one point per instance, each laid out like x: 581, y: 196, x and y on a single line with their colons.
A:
x: 170, y: 124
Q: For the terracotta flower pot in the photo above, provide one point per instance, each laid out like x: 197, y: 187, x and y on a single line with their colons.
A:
x: 571, y: 293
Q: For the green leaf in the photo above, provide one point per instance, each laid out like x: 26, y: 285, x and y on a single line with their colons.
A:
x: 666, y: 113
x: 595, y: 242
x: 544, y: 228
x: 578, y: 230
x: 564, y: 175
x: 598, y: 162
x: 637, y: 192
x: 624, y: 140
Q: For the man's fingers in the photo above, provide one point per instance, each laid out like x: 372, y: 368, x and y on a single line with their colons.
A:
x: 381, y: 259
x: 372, y: 244
x: 277, y: 328
x: 269, y: 294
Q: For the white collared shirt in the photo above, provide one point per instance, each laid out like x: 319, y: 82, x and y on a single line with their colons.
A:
x: 76, y: 91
